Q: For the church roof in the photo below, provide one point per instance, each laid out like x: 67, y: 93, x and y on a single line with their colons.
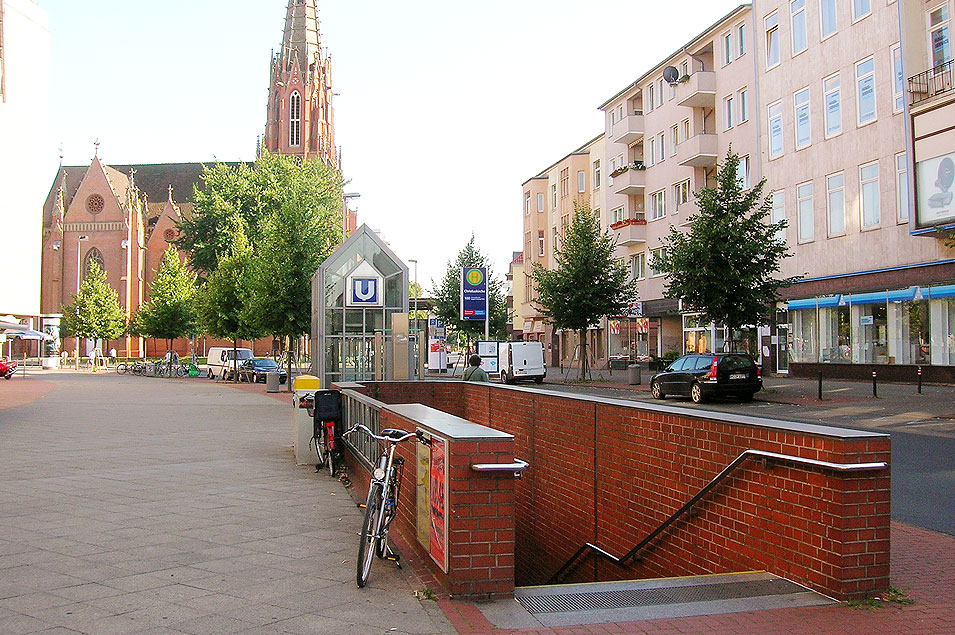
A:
x: 301, y: 36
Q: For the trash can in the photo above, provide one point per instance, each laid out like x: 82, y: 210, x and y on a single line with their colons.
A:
x: 633, y: 370
x: 272, y: 381
x: 304, y: 388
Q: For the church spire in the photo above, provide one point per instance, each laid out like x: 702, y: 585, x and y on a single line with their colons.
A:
x: 301, y: 37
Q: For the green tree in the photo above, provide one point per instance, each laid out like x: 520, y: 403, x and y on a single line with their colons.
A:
x: 224, y: 300
x: 726, y: 266
x: 415, y: 291
x: 447, y: 299
x: 170, y: 311
x: 588, y: 282
x: 95, y: 312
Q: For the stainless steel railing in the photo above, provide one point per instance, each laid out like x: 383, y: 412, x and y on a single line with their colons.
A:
x: 360, y: 409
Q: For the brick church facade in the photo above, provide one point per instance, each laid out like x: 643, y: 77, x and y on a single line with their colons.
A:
x: 124, y: 217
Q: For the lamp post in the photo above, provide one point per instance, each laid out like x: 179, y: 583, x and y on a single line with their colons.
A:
x: 345, y: 199
x: 415, y: 312
x: 79, y: 239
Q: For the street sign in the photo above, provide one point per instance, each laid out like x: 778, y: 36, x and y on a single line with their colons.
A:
x: 474, y: 293
x: 364, y: 287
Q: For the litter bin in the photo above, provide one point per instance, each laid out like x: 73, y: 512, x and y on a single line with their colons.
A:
x: 272, y: 381
x: 304, y: 388
x: 633, y: 370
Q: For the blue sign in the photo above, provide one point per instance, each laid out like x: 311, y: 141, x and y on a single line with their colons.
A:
x: 364, y: 291
x: 474, y: 293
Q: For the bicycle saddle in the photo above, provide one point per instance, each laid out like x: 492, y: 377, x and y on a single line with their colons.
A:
x: 394, y: 434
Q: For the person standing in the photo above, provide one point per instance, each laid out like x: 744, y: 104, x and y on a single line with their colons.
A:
x: 474, y: 371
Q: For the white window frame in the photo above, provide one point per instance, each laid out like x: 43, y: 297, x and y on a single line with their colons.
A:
x: 743, y: 96
x: 540, y: 201
x: 728, y: 113
x: 740, y: 40
x: 685, y: 68
x: 619, y: 214
x: 798, y: 13
x: 581, y: 181
x: 902, y: 201
x: 660, y: 91
x: 944, y: 23
x: 830, y: 90
x: 868, y: 76
x: 681, y: 194
x: 778, y: 199
x: 654, y: 273
x: 727, y: 41
x: 801, y: 104
x: 597, y: 174
x: 527, y: 203
x: 898, y: 81
x: 541, y: 247
x: 743, y: 172
x: 835, y: 19
x: 638, y: 266
x: 295, y: 119
x: 658, y: 205
x: 553, y: 193
x: 774, y: 111
x: 771, y: 30
x: 662, y: 149
x: 685, y: 126
x: 650, y: 156
x: 648, y: 102
x: 805, y: 212
x: 856, y: 4
x: 834, y: 190
x: 863, y: 183
x: 674, y: 138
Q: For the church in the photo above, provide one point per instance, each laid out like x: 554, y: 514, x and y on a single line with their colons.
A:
x: 124, y: 217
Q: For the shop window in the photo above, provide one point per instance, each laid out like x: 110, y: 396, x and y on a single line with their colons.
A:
x: 835, y: 335
x: 911, y: 337
x: 870, y: 343
x: 804, y: 336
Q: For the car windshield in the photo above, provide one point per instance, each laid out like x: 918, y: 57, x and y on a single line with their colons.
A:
x: 264, y: 363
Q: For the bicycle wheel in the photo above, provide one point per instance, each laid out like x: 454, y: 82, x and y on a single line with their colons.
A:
x: 369, y: 534
x: 391, y: 503
x: 321, y: 447
x: 330, y: 453
x: 122, y: 368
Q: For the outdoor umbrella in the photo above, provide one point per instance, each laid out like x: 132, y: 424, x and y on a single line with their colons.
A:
x: 27, y: 334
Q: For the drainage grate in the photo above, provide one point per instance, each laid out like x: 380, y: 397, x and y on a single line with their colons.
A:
x: 594, y: 600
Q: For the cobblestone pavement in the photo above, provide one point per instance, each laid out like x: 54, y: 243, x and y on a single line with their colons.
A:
x: 139, y: 505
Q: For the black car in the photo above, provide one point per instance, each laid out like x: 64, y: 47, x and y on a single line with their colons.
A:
x: 703, y: 375
x: 257, y: 367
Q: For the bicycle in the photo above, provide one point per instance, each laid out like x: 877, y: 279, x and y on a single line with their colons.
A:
x: 381, y: 504
x: 325, y: 409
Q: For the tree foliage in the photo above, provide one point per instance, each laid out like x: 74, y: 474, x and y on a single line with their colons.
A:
x: 588, y: 283
x: 171, y: 310
x: 95, y: 312
x: 447, y: 298
x: 726, y: 266
x: 223, y: 305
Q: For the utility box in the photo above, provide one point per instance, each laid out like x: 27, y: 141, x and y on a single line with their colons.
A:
x: 303, y: 402
x: 272, y: 381
x: 633, y: 374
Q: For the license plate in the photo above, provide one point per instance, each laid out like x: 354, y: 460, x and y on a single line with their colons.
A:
x: 738, y: 376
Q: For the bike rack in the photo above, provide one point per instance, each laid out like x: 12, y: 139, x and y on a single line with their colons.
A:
x: 517, y: 467
x: 748, y: 454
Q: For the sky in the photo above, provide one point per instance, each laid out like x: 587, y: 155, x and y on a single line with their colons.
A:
x: 444, y: 108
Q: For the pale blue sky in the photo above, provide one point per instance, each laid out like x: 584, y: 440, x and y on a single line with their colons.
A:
x: 445, y: 108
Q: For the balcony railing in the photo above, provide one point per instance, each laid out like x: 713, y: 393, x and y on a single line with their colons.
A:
x: 699, y: 91
x: 928, y: 84
x: 633, y: 181
x: 699, y: 151
x: 630, y: 231
x: 628, y: 129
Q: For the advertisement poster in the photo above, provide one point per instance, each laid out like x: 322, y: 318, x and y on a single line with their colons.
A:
x: 473, y: 293
x: 935, y: 190
x: 487, y: 351
x: 438, y: 544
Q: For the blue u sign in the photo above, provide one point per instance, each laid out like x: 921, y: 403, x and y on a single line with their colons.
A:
x: 364, y: 291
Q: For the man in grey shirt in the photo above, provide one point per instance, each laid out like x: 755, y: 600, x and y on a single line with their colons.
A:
x: 474, y: 372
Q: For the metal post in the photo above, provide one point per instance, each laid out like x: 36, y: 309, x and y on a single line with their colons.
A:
x: 875, y: 390
x: 820, y: 385
x: 920, y: 380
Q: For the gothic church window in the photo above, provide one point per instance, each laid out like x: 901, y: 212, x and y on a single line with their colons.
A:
x: 295, y: 120
x: 93, y: 255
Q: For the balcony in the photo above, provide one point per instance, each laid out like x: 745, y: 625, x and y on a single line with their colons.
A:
x: 699, y: 151
x: 630, y: 182
x: 928, y: 84
x: 699, y: 91
x: 628, y: 129
x: 630, y: 231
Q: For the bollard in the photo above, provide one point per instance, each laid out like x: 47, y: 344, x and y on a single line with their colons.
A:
x: 875, y: 391
x: 820, y: 385
x: 920, y: 380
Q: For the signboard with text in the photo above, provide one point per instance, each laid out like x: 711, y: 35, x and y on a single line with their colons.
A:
x: 473, y: 293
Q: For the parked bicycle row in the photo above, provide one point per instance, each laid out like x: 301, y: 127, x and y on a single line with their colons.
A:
x: 157, y: 369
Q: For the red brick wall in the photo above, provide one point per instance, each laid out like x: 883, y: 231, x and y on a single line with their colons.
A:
x: 609, y: 473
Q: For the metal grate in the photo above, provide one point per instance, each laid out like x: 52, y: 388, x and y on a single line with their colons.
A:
x: 619, y: 599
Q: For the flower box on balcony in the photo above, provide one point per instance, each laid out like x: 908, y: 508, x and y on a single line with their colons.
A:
x: 628, y: 221
x: 619, y: 171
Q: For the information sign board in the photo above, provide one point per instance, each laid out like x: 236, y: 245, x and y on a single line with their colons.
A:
x: 474, y: 293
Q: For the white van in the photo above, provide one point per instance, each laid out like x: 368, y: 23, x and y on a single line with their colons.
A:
x: 521, y: 360
x: 220, y: 359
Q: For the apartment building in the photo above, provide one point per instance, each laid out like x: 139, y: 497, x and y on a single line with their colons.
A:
x: 832, y: 138
x: 664, y: 134
x: 548, y: 206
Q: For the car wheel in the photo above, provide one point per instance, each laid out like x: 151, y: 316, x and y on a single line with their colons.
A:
x: 746, y: 397
x: 696, y: 393
x: 538, y: 380
x: 212, y: 375
x: 656, y: 390
x: 503, y: 377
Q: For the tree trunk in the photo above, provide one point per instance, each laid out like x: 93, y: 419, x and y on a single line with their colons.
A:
x: 288, y: 381
x: 235, y: 362
x: 583, y: 354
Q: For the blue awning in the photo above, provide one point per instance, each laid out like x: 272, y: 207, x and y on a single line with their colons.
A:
x: 812, y: 303
x: 946, y: 291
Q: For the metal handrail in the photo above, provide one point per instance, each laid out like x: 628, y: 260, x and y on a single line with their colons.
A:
x: 517, y: 466
x: 841, y: 467
x: 934, y: 81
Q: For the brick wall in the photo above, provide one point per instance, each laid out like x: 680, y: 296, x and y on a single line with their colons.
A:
x: 609, y: 472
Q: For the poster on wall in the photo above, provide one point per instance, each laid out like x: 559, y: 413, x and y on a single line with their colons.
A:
x: 438, y: 543
x: 935, y: 190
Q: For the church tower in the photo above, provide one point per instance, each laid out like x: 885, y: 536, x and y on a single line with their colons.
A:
x: 300, y: 118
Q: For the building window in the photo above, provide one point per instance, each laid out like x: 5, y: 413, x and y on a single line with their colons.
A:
x: 827, y: 17
x: 938, y: 35
x: 540, y: 243
x: 898, y: 90
x: 727, y: 48
x: 836, y: 204
x: 681, y: 193
x: 803, y: 122
x: 865, y: 90
x: 779, y: 212
x: 661, y: 142
x: 860, y: 9
x: 674, y: 138
x: 772, y: 40
x: 93, y: 256
x: 527, y: 203
x: 652, y: 147
x: 658, y: 205
x: 597, y: 174
x: 660, y: 92
x: 638, y: 266
x: 565, y: 183
x: 775, y: 130
x: 540, y: 201
x: 869, y: 179
x: 743, y: 96
x: 581, y: 182
x: 804, y: 205
x: 797, y: 9
x: 902, y: 186
x: 649, y: 99
x: 553, y: 196
x: 619, y: 214
x: 295, y: 120
x: 553, y: 244
x: 655, y: 255
x: 741, y: 40
x: 684, y: 69
x: 742, y: 172
x: 833, y: 104
x: 728, y: 112
x: 686, y: 129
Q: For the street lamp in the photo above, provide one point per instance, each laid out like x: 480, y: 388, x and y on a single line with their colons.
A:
x: 415, y: 313
x: 78, y: 241
x: 345, y: 199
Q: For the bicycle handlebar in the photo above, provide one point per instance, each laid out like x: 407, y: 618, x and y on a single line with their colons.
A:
x: 390, y: 439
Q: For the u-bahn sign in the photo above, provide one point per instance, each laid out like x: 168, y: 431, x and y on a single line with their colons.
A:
x: 474, y: 293
x: 364, y: 287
